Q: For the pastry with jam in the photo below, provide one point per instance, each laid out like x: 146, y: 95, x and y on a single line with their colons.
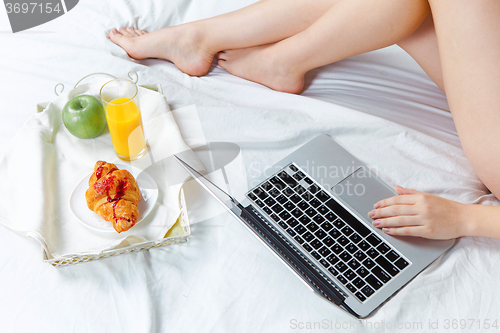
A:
x: 114, y: 195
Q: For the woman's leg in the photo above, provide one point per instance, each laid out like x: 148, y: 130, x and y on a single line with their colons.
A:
x: 468, y: 35
x: 192, y: 46
x: 348, y: 28
x: 422, y: 46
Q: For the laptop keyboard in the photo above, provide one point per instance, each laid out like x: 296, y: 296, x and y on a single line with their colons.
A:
x: 351, y: 252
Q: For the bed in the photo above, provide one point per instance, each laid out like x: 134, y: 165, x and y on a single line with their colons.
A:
x: 380, y: 106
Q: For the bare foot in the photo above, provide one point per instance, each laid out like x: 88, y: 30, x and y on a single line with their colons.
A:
x: 260, y: 64
x: 184, y: 45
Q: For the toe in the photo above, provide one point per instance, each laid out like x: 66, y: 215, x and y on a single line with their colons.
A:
x: 125, y: 38
x: 115, y: 35
x: 222, y: 64
x: 122, y: 31
x: 221, y: 56
x: 133, y: 32
x: 125, y: 32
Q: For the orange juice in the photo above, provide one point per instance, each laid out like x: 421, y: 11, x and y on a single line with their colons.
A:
x: 125, y: 126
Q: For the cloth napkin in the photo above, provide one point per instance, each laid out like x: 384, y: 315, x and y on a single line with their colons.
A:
x: 45, y: 163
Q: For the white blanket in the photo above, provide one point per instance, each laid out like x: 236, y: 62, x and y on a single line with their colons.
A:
x: 380, y: 106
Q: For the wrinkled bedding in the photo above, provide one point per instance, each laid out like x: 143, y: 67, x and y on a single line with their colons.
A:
x: 380, y: 106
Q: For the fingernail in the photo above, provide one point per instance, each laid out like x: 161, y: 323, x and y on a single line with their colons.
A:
x: 386, y: 229
x: 377, y: 205
x: 372, y: 213
x: 376, y: 223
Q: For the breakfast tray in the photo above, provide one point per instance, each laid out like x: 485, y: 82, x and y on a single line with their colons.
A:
x: 178, y: 233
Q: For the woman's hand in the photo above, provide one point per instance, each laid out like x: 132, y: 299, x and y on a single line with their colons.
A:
x: 414, y: 213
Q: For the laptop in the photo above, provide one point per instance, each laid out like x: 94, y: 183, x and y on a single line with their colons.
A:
x: 311, y: 210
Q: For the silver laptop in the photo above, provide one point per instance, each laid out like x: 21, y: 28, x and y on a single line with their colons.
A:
x: 311, y: 210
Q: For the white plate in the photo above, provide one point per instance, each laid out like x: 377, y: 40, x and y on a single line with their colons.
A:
x: 78, y: 203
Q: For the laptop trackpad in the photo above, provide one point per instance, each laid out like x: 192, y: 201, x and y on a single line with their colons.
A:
x: 361, y: 190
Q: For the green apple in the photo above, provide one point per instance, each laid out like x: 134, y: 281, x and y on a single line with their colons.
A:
x: 84, y: 117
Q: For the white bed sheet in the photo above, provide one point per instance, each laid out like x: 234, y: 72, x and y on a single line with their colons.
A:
x: 380, y: 106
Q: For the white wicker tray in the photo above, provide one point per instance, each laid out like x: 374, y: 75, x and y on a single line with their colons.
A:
x: 179, y: 232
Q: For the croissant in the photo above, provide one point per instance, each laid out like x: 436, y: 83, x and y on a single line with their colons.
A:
x: 114, y: 195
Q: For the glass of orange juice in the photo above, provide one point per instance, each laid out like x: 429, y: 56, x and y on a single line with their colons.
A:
x: 121, y: 104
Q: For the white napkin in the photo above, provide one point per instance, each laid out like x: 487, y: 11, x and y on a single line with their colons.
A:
x: 45, y: 162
